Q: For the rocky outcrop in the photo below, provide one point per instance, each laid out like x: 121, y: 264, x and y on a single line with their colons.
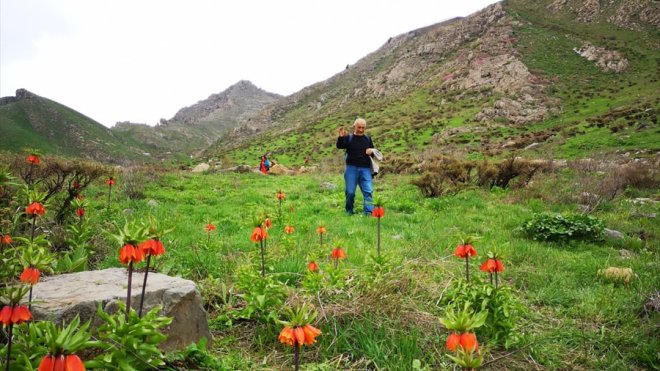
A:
x: 606, y: 60
x: 237, y: 102
x: 61, y: 298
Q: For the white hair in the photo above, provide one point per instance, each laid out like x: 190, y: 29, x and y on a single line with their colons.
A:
x: 360, y: 120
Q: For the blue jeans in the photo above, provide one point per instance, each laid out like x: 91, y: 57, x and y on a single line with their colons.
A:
x: 354, y: 176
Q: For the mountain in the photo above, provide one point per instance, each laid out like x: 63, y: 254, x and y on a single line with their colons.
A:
x: 195, y: 127
x: 561, y: 78
x: 30, y: 121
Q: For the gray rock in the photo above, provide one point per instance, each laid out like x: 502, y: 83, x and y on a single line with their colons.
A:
x: 61, y: 298
x: 328, y: 186
x: 152, y: 203
x: 615, y: 235
x: 200, y: 168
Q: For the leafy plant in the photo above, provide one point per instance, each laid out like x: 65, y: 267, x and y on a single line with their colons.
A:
x: 557, y: 227
x: 130, y: 342
x: 264, y: 296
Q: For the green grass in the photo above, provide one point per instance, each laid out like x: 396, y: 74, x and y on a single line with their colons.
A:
x: 575, y: 321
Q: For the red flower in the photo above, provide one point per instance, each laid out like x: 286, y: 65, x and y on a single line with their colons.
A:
x: 288, y: 229
x: 30, y: 275
x: 61, y: 363
x: 500, y: 266
x: 280, y: 195
x: 320, y: 229
x: 209, y: 228
x: 338, y: 253
x: 6, y: 239
x: 492, y: 266
x: 15, y: 314
x: 152, y: 247
x: 74, y: 363
x: 129, y: 253
x: 80, y: 196
x: 80, y: 212
x: 465, y: 250
x: 378, y: 212
x: 268, y: 223
x: 110, y: 181
x: 33, y: 159
x: 312, y: 266
x: 35, y: 208
x: 75, y: 185
x: 453, y: 341
x: 469, y: 342
x: 258, y: 234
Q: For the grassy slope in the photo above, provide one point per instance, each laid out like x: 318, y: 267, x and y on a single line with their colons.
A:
x: 576, y: 321
x: 56, y: 129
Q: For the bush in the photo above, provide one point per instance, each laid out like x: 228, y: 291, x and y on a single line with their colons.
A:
x: 556, y: 227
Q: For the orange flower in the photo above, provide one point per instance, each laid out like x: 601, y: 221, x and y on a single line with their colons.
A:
x: 288, y: 229
x: 80, y: 212
x: 209, y: 228
x: 310, y: 333
x: 152, y: 247
x: 6, y: 239
x: 312, y: 266
x: 268, y: 223
x: 453, y: 341
x: 258, y: 234
x: 378, y: 212
x: 15, y: 314
x: 500, y: 266
x: 488, y: 266
x: 35, y: 208
x: 286, y: 336
x: 469, y: 342
x: 33, y: 159
x: 299, y: 334
x: 110, y: 181
x: 320, y: 229
x: 465, y: 250
x: 74, y: 363
x: 280, y: 195
x: 80, y: 196
x: 70, y: 362
x: 129, y: 253
x: 30, y: 275
x: 75, y: 185
x: 338, y: 253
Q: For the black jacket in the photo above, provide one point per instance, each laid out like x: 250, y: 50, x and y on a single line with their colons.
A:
x: 356, y: 147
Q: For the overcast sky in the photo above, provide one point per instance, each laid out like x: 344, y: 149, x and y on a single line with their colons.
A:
x: 142, y: 60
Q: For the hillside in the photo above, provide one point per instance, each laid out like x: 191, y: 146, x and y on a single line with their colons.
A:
x: 30, y: 121
x: 195, y: 127
x: 545, y: 78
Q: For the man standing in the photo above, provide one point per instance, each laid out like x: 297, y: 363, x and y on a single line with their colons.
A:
x: 359, y: 148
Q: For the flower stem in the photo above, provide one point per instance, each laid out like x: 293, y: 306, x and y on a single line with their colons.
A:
x: 9, y: 333
x: 496, y: 279
x: 109, y: 193
x: 144, y: 285
x: 34, y: 226
x: 378, y: 237
x: 336, y: 262
x: 296, y: 356
x: 128, y: 294
x: 263, y: 269
x: 30, y: 299
x: 467, y: 268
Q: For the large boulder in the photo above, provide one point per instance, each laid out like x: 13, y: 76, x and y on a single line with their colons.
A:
x: 61, y: 298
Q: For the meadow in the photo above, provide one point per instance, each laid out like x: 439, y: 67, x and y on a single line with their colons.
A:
x: 551, y: 308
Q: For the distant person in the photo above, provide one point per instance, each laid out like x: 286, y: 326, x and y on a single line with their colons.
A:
x: 264, y: 165
x: 359, y: 148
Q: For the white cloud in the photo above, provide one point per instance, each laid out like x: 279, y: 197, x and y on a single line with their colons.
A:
x: 143, y: 60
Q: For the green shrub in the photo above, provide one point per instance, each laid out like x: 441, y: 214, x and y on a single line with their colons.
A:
x: 556, y: 227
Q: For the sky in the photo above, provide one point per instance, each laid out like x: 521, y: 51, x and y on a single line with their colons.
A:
x: 143, y: 60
